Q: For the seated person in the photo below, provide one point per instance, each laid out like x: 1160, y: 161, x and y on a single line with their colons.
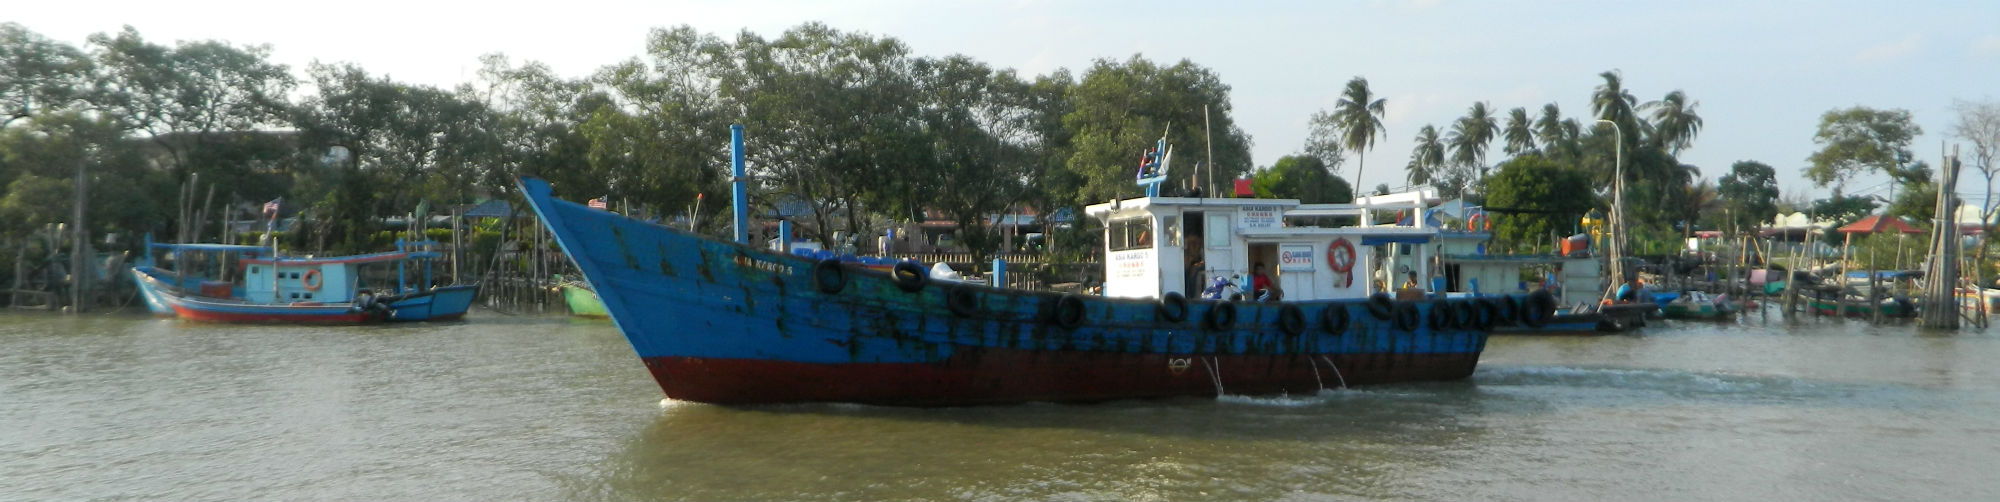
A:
x: 1260, y: 284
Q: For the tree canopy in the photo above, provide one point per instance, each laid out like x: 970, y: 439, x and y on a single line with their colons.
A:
x: 1535, y: 198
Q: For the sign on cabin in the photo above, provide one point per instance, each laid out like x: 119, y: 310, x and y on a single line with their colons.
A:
x: 1258, y: 217
x: 1131, y: 264
x: 1295, y: 257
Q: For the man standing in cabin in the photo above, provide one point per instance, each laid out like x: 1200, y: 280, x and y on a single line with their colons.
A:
x: 1195, y: 264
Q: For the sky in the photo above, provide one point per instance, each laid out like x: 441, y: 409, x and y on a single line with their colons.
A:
x: 1762, y: 72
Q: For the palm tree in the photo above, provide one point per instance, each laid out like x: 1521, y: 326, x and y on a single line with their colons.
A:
x: 1548, y: 129
x: 1358, y: 115
x: 1675, y: 123
x: 1427, y: 157
x: 1520, y: 132
x: 1612, y: 102
x: 1469, y: 137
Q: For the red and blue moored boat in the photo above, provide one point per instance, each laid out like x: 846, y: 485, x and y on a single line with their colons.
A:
x: 724, y: 322
x: 234, y: 283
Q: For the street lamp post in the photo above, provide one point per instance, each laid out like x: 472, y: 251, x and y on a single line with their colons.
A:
x: 1617, y: 208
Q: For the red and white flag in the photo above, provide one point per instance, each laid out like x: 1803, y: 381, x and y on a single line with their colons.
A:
x: 271, y: 208
x: 597, y: 203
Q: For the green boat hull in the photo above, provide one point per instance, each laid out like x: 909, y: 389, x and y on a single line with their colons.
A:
x: 583, y: 302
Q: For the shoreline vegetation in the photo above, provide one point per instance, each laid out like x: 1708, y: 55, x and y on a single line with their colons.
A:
x: 850, y: 134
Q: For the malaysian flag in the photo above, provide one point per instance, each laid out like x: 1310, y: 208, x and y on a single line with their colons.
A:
x: 597, y: 203
x: 271, y: 208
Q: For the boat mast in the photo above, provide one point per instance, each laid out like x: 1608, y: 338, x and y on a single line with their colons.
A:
x: 739, y: 184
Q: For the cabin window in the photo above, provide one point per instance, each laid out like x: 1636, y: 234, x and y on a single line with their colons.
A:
x: 1170, y: 227
x: 1130, y: 233
x: 295, y: 296
x: 253, y: 270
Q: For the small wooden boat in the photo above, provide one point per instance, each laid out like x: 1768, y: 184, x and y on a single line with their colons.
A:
x: 1699, y: 305
x: 582, y: 300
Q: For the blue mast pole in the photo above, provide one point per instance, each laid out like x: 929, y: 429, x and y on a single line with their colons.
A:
x: 739, y: 184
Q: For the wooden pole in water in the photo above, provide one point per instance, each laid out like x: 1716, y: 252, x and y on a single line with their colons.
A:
x: 1941, y: 271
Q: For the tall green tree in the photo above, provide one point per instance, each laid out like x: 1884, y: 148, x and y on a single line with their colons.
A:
x: 1613, y: 102
x: 1358, y: 117
x: 1749, y: 194
x: 37, y: 74
x: 1675, y: 122
x: 1469, y: 137
x: 1519, y: 133
x: 1119, y: 109
x: 981, y: 135
x: 1856, y: 140
x: 1427, y: 157
x: 1549, y: 129
x: 1302, y: 177
x: 1536, y: 198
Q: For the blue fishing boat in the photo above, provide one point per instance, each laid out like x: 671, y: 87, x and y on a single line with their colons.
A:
x: 725, y: 322
x: 235, y: 283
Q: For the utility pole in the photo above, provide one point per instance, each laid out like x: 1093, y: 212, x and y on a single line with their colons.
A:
x: 79, y: 241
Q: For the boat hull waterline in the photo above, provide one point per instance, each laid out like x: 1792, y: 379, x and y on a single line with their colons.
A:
x: 719, y: 322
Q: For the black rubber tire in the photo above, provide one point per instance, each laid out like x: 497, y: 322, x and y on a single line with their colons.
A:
x: 1442, y: 317
x: 909, y: 276
x: 1489, y: 313
x: 1291, y: 320
x: 1173, y: 308
x: 1381, y: 306
x: 1539, y: 309
x: 1334, y: 319
x: 962, y: 300
x: 1069, y: 311
x: 1221, y: 316
x: 1495, y: 311
x: 1510, y: 310
x: 829, y: 276
x: 1468, y: 315
x: 1406, y: 316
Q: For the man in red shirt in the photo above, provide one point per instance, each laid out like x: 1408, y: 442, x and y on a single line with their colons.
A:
x: 1260, y: 284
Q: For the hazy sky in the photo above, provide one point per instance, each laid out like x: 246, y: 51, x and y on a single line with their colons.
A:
x: 1762, y: 71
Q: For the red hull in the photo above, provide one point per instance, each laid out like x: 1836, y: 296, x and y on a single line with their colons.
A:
x: 976, y: 376
x: 204, y: 315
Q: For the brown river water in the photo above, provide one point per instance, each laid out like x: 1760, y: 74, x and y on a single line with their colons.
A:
x: 107, y: 407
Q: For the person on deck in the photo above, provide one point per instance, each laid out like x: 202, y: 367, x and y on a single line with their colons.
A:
x: 1260, y: 284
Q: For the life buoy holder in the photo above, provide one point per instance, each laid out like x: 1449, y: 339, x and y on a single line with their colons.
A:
x: 1173, y: 307
x: 1291, y: 320
x: 1334, y: 319
x: 1476, y: 221
x: 312, y: 280
x: 1340, y: 257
